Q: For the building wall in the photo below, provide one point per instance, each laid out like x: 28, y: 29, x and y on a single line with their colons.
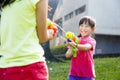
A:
x: 106, y: 13
x: 69, y: 6
x: 107, y: 44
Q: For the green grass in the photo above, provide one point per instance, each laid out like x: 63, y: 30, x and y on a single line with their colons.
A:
x: 106, y: 69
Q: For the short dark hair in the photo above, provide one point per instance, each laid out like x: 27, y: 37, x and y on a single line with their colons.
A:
x: 87, y: 19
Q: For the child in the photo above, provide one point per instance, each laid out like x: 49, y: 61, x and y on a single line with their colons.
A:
x: 23, y: 28
x: 82, y: 66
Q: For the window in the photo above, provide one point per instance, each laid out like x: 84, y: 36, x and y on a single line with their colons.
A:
x: 68, y: 16
x: 80, y: 10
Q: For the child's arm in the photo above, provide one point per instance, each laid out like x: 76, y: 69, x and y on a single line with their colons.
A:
x: 41, y: 16
x: 84, y: 46
x: 80, y: 46
x: 69, y: 53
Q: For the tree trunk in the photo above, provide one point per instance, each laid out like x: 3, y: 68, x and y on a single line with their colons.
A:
x: 46, y: 46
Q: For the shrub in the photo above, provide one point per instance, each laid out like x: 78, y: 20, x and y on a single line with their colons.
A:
x: 61, y: 49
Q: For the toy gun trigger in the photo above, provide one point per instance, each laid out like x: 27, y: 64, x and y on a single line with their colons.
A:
x: 68, y: 40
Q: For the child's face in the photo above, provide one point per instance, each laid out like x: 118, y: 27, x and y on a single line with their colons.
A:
x: 85, y: 30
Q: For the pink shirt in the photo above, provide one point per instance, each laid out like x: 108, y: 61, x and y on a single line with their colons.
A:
x: 83, y: 64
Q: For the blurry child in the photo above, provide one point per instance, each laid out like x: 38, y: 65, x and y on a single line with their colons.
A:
x: 22, y: 29
x: 82, y: 66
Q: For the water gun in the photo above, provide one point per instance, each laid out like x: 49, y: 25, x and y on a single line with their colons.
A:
x: 51, y: 25
x: 71, y: 36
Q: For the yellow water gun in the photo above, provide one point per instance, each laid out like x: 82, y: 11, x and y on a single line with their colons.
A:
x: 70, y: 36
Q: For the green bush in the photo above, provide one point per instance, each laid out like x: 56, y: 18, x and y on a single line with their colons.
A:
x: 61, y: 49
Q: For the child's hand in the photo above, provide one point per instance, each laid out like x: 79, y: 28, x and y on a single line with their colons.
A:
x: 71, y: 44
x: 51, y: 34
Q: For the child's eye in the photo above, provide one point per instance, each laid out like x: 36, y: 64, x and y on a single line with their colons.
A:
x: 87, y: 26
x: 81, y: 26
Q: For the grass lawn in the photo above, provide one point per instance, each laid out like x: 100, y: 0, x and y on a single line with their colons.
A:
x: 106, y: 69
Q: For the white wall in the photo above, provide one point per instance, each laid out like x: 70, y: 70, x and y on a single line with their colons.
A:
x: 70, y: 6
x: 107, y: 14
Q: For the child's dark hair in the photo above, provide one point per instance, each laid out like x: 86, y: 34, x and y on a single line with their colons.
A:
x: 88, y: 20
x: 3, y: 3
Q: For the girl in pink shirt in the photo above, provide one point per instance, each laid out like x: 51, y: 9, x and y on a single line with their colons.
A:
x: 82, y: 66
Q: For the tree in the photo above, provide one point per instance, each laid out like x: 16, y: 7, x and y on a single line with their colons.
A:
x: 46, y: 46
